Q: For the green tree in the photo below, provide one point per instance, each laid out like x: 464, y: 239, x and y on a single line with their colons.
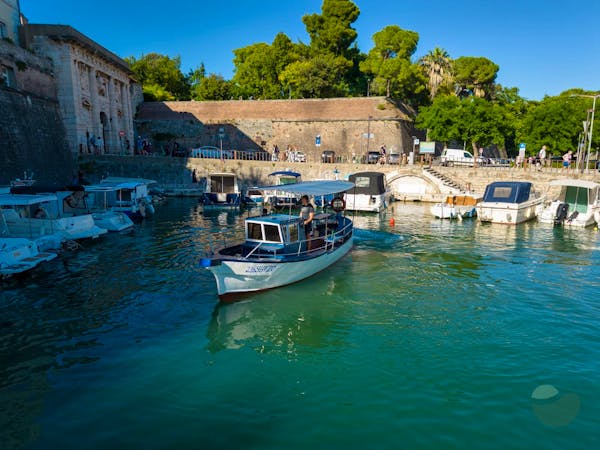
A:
x: 472, y: 120
x: 389, y: 63
x: 258, y: 68
x: 556, y: 122
x: 332, y: 46
x: 437, y: 67
x: 213, y: 87
x: 331, y: 31
x: 155, y: 71
x: 313, y: 78
x: 475, y: 74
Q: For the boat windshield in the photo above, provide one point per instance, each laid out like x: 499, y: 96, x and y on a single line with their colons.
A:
x: 263, y: 232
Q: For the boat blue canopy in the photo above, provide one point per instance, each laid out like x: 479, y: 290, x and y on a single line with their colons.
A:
x: 507, y: 192
x: 314, y: 188
x: 288, y: 173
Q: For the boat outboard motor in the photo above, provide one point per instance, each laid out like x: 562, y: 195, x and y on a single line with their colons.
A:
x: 561, y: 214
x: 573, y: 216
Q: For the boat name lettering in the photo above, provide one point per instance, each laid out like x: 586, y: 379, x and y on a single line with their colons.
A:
x: 261, y: 269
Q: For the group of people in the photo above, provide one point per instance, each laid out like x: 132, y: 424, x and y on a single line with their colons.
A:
x: 542, y: 158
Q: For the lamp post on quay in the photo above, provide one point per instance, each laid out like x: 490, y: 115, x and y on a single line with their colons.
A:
x: 590, y: 134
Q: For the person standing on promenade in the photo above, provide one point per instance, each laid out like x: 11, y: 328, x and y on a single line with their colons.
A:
x: 541, y: 158
x: 567, y: 159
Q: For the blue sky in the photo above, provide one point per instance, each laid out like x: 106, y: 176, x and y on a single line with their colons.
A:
x: 543, y: 47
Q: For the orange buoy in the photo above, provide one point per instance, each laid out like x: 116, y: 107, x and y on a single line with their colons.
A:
x: 392, y: 222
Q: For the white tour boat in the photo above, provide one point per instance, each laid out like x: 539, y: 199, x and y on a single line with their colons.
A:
x: 276, y: 250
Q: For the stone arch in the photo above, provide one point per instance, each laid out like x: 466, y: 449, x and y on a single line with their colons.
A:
x: 412, y: 186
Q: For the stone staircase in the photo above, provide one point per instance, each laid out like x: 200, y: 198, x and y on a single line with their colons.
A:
x: 445, y: 183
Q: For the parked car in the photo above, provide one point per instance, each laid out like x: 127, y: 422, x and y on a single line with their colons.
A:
x: 457, y: 156
x: 208, y: 151
x: 371, y: 158
x: 297, y: 157
x: 328, y: 156
x: 394, y: 158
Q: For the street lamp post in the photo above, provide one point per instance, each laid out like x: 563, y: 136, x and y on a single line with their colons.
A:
x: 590, y: 133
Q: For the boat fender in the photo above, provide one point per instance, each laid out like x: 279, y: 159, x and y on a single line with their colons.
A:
x: 338, y: 204
x: 208, y: 262
x: 142, y: 208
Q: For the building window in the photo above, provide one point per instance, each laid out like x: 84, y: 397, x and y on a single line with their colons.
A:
x: 3, y: 31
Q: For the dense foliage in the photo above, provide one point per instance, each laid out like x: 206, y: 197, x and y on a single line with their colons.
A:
x: 457, y: 100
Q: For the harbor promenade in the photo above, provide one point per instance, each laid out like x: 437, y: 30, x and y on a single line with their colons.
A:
x: 405, y: 182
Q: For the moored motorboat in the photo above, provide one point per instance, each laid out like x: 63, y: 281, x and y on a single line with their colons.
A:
x: 369, y: 192
x: 18, y: 255
x: 132, y: 196
x: 276, y: 250
x: 222, y: 191
x: 509, y: 202
x: 577, y: 203
x: 456, y: 207
x: 36, y: 217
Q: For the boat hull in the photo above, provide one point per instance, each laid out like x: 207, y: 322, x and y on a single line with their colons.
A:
x: 239, y: 276
x: 18, y: 255
x: 549, y: 215
x: 509, y: 213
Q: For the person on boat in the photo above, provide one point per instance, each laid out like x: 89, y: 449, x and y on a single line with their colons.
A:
x: 307, y: 213
x: 41, y: 213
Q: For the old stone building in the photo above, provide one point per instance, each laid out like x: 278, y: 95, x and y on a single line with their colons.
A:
x: 95, y: 90
x: 348, y: 126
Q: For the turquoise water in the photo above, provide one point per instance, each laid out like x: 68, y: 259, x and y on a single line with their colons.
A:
x: 430, y: 334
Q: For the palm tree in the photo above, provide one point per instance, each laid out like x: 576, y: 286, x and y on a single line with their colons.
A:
x: 438, y: 69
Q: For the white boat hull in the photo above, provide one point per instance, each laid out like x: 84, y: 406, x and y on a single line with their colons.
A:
x: 18, y: 255
x: 364, y: 202
x: 250, y: 276
x: 74, y: 227
x: 447, y: 211
x: 549, y: 213
x: 112, y: 220
x: 509, y: 213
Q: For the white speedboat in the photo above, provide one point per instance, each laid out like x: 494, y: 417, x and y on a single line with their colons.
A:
x: 18, y: 255
x: 574, y: 203
x: 36, y: 217
x: 369, y: 192
x: 132, y: 196
x: 509, y: 202
x: 222, y: 191
x: 276, y: 250
x: 97, y: 201
x: 456, y: 207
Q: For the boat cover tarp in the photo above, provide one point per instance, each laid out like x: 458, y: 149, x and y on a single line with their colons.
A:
x: 367, y: 183
x: 24, y: 199
x: 116, y: 180
x: 312, y: 188
x: 507, y: 192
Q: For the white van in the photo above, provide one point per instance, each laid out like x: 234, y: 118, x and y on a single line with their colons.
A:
x: 456, y: 156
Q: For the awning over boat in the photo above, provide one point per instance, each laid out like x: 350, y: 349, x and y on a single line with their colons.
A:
x: 117, y: 180
x: 288, y: 173
x: 314, y: 188
x: 25, y: 199
x: 507, y: 192
x: 575, y: 183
